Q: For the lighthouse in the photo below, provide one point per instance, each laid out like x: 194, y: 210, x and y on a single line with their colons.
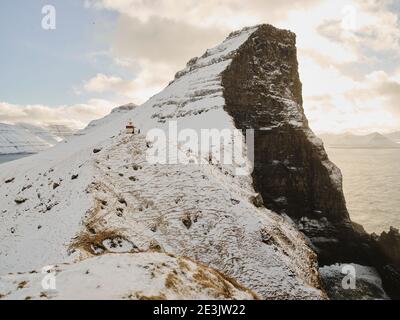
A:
x: 130, y: 128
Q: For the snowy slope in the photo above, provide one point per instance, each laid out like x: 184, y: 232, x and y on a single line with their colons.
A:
x: 195, y: 98
x: 141, y: 276
x: 73, y: 201
x: 42, y: 133
x: 115, y: 113
x: 60, y: 131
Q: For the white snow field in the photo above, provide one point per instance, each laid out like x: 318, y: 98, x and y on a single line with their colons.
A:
x: 141, y: 276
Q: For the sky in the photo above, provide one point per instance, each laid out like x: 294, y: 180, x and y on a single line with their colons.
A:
x: 104, y: 53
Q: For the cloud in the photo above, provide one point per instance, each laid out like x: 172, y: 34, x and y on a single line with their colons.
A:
x: 162, y: 40
x: 74, y: 116
x: 368, y: 105
x: 380, y: 89
x: 151, y: 79
x: 366, y: 25
x: 223, y: 13
x: 102, y: 83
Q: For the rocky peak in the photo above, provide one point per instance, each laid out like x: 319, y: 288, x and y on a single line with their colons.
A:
x: 263, y: 91
x: 124, y: 108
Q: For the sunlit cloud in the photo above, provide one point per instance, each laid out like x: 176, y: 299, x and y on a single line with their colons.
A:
x: 74, y: 116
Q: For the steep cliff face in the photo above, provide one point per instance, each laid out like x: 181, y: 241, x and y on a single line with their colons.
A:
x: 292, y: 171
x: 263, y: 92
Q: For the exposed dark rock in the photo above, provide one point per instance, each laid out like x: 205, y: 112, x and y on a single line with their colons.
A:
x: 51, y: 205
x: 55, y: 185
x: 388, y: 246
x: 391, y: 280
x: 9, y: 180
x: 120, y: 212
x: 26, y: 187
x: 263, y: 92
x: 20, y: 200
x: 124, y: 108
x: 366, y: 283
x: 122, y: 201
x: 389, y: 243
x: 257, y: 200
x: 187, y: 221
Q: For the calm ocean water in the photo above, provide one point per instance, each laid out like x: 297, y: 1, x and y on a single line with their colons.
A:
x: 371, y: 181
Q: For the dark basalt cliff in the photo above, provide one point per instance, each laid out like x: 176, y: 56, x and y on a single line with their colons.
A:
x: 262, y: 90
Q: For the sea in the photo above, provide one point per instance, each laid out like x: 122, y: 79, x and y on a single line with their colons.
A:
x: 371, y: 183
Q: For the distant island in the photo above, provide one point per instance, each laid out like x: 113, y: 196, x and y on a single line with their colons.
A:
x: 23, y: 138
x: 370, y: 141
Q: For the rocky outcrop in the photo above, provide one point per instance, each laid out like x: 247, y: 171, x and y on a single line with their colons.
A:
x: 365, y: 285
x: 291, y: 168
x: 263, y: 92
x: 389, y: 243
x: 388, y: 247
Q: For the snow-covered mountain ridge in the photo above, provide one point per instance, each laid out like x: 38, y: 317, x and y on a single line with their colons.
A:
x: 97, y: 195
x: 26, y: 138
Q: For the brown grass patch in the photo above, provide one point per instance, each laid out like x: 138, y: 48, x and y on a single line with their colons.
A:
x: 222, y: 277
x: 173, y: 282
x: 90, y: 242
x: 220, y: 287
x: 236, y: 284
x: 22, y: 284
x: 143, y: 297
x: 183, y: 265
